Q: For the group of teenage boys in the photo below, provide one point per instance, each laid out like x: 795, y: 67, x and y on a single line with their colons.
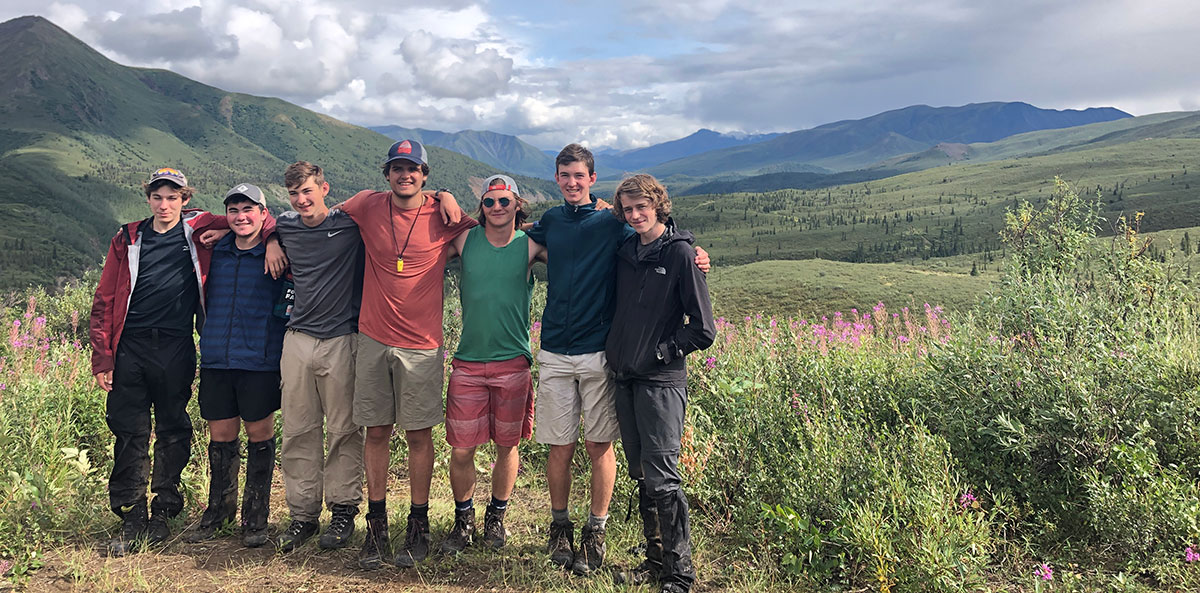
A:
x: 350, y: 346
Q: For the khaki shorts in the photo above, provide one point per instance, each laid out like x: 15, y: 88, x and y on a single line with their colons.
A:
x: 398, y: 386
x: 569, y: 385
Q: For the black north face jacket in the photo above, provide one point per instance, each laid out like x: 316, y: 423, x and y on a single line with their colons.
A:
x: 662, y: 310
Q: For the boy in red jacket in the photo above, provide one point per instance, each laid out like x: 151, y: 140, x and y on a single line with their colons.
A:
x: 149, y: 300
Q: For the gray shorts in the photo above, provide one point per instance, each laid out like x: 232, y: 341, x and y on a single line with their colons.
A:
x: 569, y: 385
x: 398, y: 386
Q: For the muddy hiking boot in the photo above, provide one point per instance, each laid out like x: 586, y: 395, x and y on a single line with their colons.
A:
x: 651, y: 568
x: 591, y: 550
x: 341, y: 527
x: 561, y: 545
x: 377, y: 547
x: 295, y: 535
x: 223, y: 465
x: 494, y: 533
x: 416, y: 542
x: 256, y: 497
x: 462, y: 534
x: 132, y: 536
x: 157, y: 530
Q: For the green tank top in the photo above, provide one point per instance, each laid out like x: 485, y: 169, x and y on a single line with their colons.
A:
x: 495, y: 291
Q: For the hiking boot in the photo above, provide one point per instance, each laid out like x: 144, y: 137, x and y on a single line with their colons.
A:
x: 416, y: 542
x: 494, y: 533
x: 673, y: 588
x: 341, y: 527
x: 377, y: 547
x: 462, y: 533
x: 157, y: 531
x: 256, y: 495
x: 591, y: 550
x: 295, y: 535
x: 132, y: 535
x: 223, y: 465
x: 561, y: 546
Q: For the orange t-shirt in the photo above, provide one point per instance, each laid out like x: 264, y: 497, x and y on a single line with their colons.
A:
x: 402, y: 308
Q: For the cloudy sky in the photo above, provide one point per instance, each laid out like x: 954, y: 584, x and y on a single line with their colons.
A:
x: 628, y: 73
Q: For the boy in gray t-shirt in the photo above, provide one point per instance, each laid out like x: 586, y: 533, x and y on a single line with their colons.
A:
x: 321, y: 456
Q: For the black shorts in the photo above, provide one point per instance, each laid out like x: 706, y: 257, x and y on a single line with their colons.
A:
x: 233, y: 393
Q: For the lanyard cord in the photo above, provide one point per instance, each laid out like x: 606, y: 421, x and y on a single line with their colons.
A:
x: 392, y: 226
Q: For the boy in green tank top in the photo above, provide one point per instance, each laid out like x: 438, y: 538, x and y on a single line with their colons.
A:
x: 490, y: 394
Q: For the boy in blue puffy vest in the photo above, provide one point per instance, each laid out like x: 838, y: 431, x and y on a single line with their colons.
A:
x: 240, y: 347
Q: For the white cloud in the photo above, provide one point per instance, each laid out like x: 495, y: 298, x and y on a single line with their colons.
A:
x: 634, y: 72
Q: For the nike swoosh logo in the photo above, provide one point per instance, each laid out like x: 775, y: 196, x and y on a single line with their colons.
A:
x: 332, y: 233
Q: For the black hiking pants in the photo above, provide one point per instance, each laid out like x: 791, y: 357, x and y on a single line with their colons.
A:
x: 651, y: 420
x: 153, y: 370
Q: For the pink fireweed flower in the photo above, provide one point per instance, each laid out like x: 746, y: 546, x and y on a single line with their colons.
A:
x: 710, y: 363
x: 1044, y: 572
x: 1190, y: 555
x: 966, y: 499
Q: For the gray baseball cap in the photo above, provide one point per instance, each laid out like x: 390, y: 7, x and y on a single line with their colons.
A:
x: 175, y: 176
x: 500, y: 182
x: 249, y: 191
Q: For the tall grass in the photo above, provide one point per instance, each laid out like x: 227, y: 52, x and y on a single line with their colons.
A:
x: 1050, y: 438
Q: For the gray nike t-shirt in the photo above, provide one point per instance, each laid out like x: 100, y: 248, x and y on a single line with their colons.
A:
x: 327, y: 268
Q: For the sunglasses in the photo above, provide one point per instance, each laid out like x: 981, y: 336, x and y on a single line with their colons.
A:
x: 489, y: 202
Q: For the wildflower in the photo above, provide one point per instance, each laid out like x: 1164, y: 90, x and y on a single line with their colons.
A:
x: 39, y: 323
x: 903, y: 339
x: 1044, y: 572
x: 710, y: 363
x: 16, y: 323
x: 772, y: 322
x: 537, y: 326
x: 3, y: 386
x: 966, y: 500
x: 1190, y: 555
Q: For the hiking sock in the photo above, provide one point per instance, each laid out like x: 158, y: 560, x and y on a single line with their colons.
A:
x: 376, y: 508
x: 419, y: 510
x: 498, y: 504
x: 560, y: 516
x: 597, y: 523
x: 465, y: 505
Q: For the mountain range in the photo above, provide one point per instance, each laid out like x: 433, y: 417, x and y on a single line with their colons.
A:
x: 502, y: 151
x: 855, y: 144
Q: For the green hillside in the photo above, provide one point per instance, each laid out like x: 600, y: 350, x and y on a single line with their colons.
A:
x: 78, y: 134
x: 950, y: 210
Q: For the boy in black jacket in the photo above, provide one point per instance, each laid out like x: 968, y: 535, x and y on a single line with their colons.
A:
x: 662, y: 314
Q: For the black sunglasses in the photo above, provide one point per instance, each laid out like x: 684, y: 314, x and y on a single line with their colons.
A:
x: 489, y: 202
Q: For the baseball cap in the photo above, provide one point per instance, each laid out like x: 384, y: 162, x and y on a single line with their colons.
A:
x: 500, y: 182
x: 175, y: 176
x: 409, y: 150
x: 249, y: 191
